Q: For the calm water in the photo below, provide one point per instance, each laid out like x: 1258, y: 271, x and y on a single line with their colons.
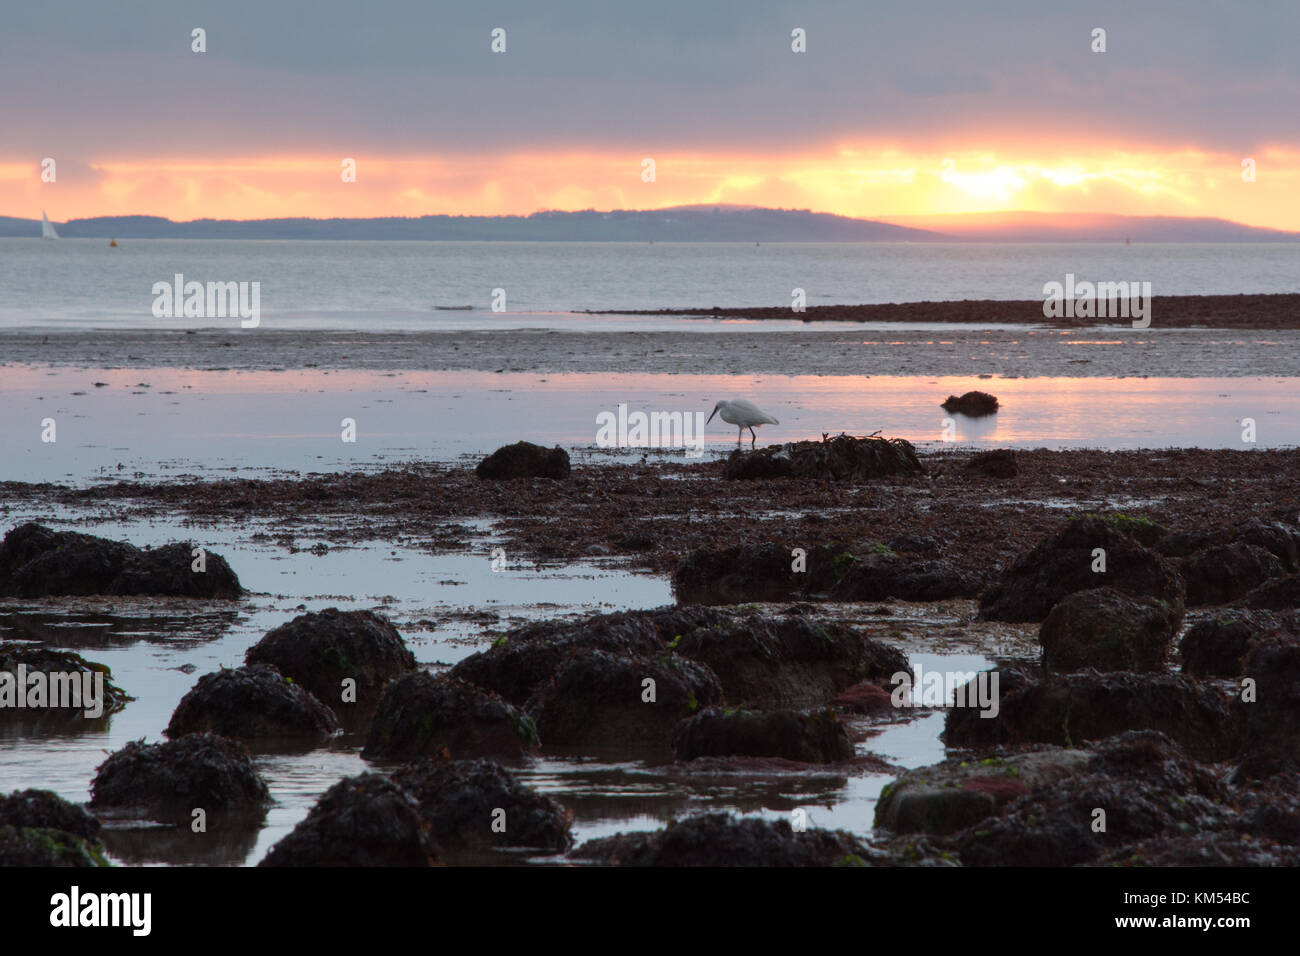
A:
x: 400, y: 285
x: 167, y: 421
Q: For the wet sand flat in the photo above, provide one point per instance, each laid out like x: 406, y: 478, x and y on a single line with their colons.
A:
x: 867, y: 350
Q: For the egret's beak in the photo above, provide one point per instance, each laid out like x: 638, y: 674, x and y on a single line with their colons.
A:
x: 711, y: 414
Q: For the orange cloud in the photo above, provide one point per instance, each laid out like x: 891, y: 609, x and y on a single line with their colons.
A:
x: 852, y: 179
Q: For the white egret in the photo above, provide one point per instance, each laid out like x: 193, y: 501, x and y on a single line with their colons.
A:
x: 743, y: 413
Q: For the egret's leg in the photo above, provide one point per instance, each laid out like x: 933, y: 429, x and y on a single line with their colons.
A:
x: 740, y: 433
x: 754, y: 433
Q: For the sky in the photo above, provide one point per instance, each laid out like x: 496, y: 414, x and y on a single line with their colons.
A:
x: 893, y: 110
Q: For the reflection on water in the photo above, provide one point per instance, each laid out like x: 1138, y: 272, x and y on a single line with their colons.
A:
x: 169, y: 422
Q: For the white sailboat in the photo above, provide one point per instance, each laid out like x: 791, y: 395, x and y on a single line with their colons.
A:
x: 47, y: 230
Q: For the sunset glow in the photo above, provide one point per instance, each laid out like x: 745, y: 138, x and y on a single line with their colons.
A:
x: 858, y: 180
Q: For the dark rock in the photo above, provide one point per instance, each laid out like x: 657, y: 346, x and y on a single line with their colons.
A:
x: 361, y: 821
x: 1146, y: 786
x: 999, y: 463
x: 973, y: 404
x: 1069, y: 709
x: 39, y: 846
x: 842, y: 458
x: 865, y: 698
x: 1108, y: 630
x: 1273, y: 718
x: 1215, y: 646
x: 525, y: 460
x: 525, y: 658
x: 1278, y: 537
x: 36, y: 561
x: 719, y: 839
x: 421, y: 715
x: 1212, y: 848
x: 845, y: 571
x: 168, y: 781
x: 19, y: 662
x: 817, y: 737
x: 1217, y: 575
x: 768, y: 660
x: 913, y: 543
x: 788, y: 661
x: 880, y: 577
x: 461, y: 800
x: 320, y: 651
x: 1062, y: 564
x: 1053, y: 826
x: 949, y: 796
x: 252, y: 704
x: 44, y: 809
x: 1179, y: 544
x: 1280, y: 594
x: 597, y: 699
x: 739, y: 574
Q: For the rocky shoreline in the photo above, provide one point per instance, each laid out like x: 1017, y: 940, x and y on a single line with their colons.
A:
x: 1149, y: 718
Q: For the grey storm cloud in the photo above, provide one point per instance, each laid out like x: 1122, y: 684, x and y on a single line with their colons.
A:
x: 410, y: 77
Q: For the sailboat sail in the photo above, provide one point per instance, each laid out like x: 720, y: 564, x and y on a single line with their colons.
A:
x: 47, y: 230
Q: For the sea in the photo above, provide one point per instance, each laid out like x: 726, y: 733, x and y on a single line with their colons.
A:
x: 393, y: 286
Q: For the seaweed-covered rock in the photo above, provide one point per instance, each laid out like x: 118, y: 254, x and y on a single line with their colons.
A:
x: 865, y: 698
x: 1227, y: 572
x: 366, y: 820
x: 973, y: 404
x: 321, y: 651
x: 40, y: 846
x: 1280, y: 594
x: 998, y: 463
x: 58, y: 690
x: 421, y: 715
x: 739, y: 574
x: 36, y: 561
x: 1214, y: 646
x: 1063, y: 563
x: 477, y: 803
x: 1054, y: 825
x: 524, y: 460
x: 720, y: 839
x: 1212, y: 848
x: 253, y: 704
x: 949, y: 796
x: 842, y: 458
x: 611, y: 700
x: 168, y: 781
x: 529, y: 655
x: 817, y: 737
x: 1273, y: 717
x: 768, y: 660
x: 1142, y: 781
x: 881, y: 576
x: 1278, y: 537
x: 845, y: 571
x: 40, y: 828
x: 1069, y: 709
x: 1109, y: 630
x: 44, y: 809
x: 788, y: 661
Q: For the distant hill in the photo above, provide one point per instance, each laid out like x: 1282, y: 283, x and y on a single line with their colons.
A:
x: 700, y: 223
x: 1091, y: 227
x: 683, y: 224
